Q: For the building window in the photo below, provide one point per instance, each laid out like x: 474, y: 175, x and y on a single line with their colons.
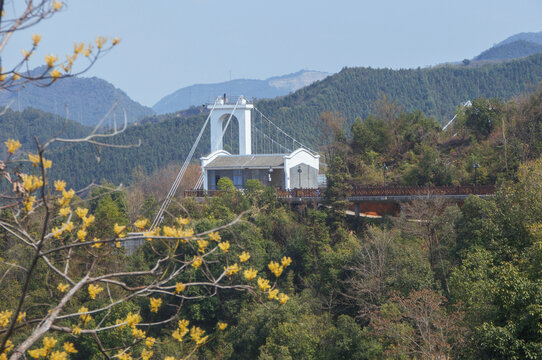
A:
x: 238, y: 178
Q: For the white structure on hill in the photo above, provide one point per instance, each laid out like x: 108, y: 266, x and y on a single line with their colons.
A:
x: 298, y: 169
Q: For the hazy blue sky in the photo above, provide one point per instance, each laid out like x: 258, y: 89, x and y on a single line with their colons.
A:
x: 171, y: 44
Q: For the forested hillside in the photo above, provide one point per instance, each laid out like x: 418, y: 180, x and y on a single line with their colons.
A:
x: 353, y: 93
x: 435, y: 91
x: 87, y: 100
x: 513, y: 50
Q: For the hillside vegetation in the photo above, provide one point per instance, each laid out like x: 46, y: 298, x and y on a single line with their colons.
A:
x: 87, y: 100
x: 437, y: 92
x: 513, y: 50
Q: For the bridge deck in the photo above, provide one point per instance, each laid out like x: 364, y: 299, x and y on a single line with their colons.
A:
x: 361, y: 193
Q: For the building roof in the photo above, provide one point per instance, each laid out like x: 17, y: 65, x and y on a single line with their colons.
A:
x: 247, y: 161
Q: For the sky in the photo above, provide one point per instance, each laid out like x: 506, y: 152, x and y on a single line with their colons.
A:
x: 169, y: 44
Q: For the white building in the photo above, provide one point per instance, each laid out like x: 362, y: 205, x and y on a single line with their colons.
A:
x: 298, y: 169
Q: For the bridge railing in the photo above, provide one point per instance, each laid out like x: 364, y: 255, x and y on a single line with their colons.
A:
x: 200, y: 193
x: 361, y: 190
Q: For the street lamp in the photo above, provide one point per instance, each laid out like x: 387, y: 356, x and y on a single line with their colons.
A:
x: 299, y: 171
x: 384, y: 168
x: 269, y: 175
x: 475, y: 166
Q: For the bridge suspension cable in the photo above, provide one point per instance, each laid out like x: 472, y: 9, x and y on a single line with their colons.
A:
x: 283, y: 132
x: 160, y: 215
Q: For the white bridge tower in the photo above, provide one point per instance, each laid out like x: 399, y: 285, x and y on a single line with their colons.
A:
x: 223, y: 112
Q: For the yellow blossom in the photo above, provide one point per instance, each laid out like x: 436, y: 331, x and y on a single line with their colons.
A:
x: 68, y: 194
x: 169, y: 358
x: 47, y: 164
x: 96, y: 245
x: 81, y: 235
x: 59, y: 355
x: 286, y: 261
x: 76, y: 330
x: 147, y: 235
x: 283, y: 298
x: 179, y: 334
x: 60, y: 185
x: 12, y: 145
x: 275, y: 268
x: 149, y: 342
x: 50, y: 60
x: 26, y: 54
x: 118, y: 245
x: 69, y: 226
x: 63, y: 287
x: 181, y: 331
x: 31, y: 182
x: 87, y: 220
x: 94, y: 290
x: 37, y: 353
x: 87, y: 51
x: 169, y: 231
x: 250, y: 274
x: 9, y: 345
x: 132, y: 319
x: 222, y: 325
x: 65, y: 211
x: 81, y: 212
x: 29, y: 203
x: 57, y: 232
x: 214, y: 236
x: 121, y: 355
x: 57, y: 5
x: 100, y: 41
x: 5, y: 316
x: 15, y: 77
x: 138, y: 333
x: 263, y: 284
x: 146, y: 354
x: 179, y: 287
x: 141, y: 223
x: 34, y: 159
x: 196, y: 262
x: 182, y: 221
x: 155, y: 304
x: 21, y: 317
x: 68, y: 347
x: 118, y: 228
x: 273, y: 294
x: 244, y: 256
x: 202, y: 244
x: 196, y: 334
x: 116, y: 41
x: 55, y: 74
x: 49, y: 342
x: 85, y: 317
x: 224, y: 246
x: 36, y: 38
x: 232, y: 269
x: 78, y: 48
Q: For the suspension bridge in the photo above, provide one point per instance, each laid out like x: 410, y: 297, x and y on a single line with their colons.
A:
x: 246, y: 144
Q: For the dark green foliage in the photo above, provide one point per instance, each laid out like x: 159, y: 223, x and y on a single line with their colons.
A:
x: 513, y: 50
x: 85, y: 100
x: 435, y: 91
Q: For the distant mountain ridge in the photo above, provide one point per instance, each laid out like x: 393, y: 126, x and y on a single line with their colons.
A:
x: 198, y: 94
x: 511, y: 50
x: 514, y: 47
x: 534, y: 37
x: 87, y: 100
